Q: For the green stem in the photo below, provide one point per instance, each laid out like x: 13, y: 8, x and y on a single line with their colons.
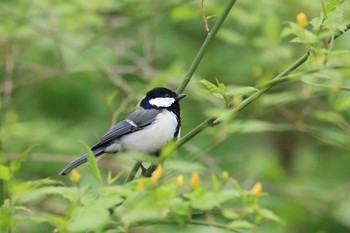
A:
x: 189, y: 75
x: 192, y: 222
x: 133, y: 172
x: 3, y: 192
x: 214, y: 121
x: 257, y: 94
x: 204, y: 47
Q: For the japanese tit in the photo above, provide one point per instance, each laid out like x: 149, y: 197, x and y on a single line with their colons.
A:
x: 152, y: 124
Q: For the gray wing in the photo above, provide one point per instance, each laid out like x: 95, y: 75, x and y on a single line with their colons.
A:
x: 137, y: 120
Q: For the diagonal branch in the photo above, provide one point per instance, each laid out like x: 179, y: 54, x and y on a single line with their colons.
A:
x: 212, y: 121
x: 204, y: 47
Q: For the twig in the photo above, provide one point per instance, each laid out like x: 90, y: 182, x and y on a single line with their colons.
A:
x: 192, y: 222
x: 204, y: 19
x: 133, y: 172
x: 204, y: 47
x: 214, y: 121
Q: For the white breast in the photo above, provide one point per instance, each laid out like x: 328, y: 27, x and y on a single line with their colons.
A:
x: 154, y: 136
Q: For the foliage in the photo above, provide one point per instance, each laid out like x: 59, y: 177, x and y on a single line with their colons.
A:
x: 139, y: 203
x: 68, y: 66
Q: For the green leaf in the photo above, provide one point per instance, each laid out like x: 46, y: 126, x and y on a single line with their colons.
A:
x: 111, y: 98
x: 240, y: 224
x: 332, y: 5
x: 335, y: 19
x: 229, y: 214
x: 89, y: 218
x: 328, y: 116
x: 269, y: 215
x: 317, y: 22
x: 215, y: 182
x: 43, y: 182
x: 16, y: 164
x: 205, y: 200
x: 256, y: 126
x: 242, y: 91
x: 110, y: 179
x: 5, y: 172
x: 330, y: 136
x: 342, y: 104
x: 212, y: 88
x: 72, y: 194
x: 93, y: 164
x: 221, y: 86
x: 279, y: 99
x: 57, y: 221
x: 167, y: 150
x: 82, y: 219
x: 180, y: 210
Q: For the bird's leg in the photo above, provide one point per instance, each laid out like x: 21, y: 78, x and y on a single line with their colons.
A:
x: 148, y: 172
x: 143, y: 169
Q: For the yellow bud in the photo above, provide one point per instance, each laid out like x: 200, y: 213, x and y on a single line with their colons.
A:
x: 157, y: 174
x: 74, y: 176
x: 256, y: 190
x: 139, y: 186
x: 195, y: 180
x: 301, y: 19
x: 225, y: 176
x: 180, y: 181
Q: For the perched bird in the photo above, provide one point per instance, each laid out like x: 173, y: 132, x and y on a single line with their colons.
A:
x: 152, y: 124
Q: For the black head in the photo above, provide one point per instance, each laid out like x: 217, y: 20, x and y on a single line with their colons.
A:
x: 162, y: 98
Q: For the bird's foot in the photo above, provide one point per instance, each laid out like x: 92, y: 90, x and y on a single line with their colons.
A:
x: 143, y: 169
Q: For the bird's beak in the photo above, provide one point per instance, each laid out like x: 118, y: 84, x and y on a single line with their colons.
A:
x: 180, y: 96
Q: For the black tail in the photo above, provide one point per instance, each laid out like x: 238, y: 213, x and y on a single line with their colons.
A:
x: 77, y: 162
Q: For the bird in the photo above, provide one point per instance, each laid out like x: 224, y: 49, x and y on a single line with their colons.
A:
x: 153, y: 123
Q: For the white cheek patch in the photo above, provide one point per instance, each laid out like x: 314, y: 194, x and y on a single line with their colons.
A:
x: 162, y: 101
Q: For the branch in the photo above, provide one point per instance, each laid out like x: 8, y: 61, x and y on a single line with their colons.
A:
x: 204, y: 47
x: 214, y: 121
x: 211, y: 121
x: 192, y: 222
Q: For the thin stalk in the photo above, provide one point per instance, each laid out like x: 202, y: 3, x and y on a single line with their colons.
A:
x: 214, y: 121
x: 204, y: 46
x: 257, y: 94
x: 192, y: 222
x: 133, y: 172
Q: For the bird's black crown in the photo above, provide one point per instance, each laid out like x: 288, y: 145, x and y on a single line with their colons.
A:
x: 160, y: 92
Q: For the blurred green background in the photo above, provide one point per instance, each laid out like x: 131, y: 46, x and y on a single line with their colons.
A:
x: 71, y: 69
